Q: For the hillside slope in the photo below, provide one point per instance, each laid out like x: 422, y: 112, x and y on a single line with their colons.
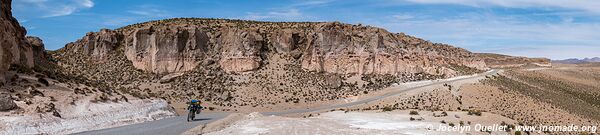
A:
x: 505, y: 61
x: 241, y: 63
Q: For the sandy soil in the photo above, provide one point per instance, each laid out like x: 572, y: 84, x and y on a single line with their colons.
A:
x: 368, y: 122
x: 63, y: 108
x: 87, y: 116
x: 216, y: 125
x: 499, y: 103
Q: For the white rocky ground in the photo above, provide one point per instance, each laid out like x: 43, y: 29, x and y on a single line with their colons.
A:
x: 358, y: 123
x: 85, y: 116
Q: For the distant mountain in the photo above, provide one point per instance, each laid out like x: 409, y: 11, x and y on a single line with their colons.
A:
x: 577, y: 61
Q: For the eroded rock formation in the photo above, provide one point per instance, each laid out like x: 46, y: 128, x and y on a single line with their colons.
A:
x: 14, y: 47
x: 165, y: 50
x: 178, y: 45
x: 38, y: 50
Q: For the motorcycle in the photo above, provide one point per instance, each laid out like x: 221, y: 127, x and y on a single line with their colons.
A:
x: 192, y: 113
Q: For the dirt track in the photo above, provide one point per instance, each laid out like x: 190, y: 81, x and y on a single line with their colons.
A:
x: 178, y: 125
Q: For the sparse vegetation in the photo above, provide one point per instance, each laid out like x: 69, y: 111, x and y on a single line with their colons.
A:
x: 387, y: 109
x: 518, y: 133
x: 43, y: 81
x: 413, y: 112
x: 545, y: 87
x: 474, y: 112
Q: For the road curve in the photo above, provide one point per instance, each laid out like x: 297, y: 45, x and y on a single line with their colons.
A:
x: 178, y: 125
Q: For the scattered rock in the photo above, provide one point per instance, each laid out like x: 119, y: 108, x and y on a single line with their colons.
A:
x: 6, y: 102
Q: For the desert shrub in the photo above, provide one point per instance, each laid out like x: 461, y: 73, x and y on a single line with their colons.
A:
x: 124, y: 98
x: 474, y: 112
x: 412, y: 119
x: 413, y: 113
x: 451, y: 124
x: 20, y: 69
x: 518, y: 133
x: 387, y: 109
x: 100, y: 98
x: 43, y: 81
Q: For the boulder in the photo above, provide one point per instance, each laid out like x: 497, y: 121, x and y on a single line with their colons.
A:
x: 6, y: 102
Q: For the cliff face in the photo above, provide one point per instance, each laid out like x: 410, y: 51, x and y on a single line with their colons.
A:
x: 178, y: 45
x: 38, y: 50
x: 98, y: 45
x: 347, y: 49
x: 246, y: 63
x: 14, y: 47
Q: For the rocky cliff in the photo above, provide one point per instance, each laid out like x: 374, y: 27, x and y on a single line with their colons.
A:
x: 17, y: 54
x: 178, y: 45
x: 15, y: 48
x: 235, y: 63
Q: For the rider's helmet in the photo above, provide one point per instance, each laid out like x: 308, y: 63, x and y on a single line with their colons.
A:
x: 194, y: 101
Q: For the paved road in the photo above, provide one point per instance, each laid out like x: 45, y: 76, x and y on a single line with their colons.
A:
x: 167, y: 126
x: 178, y: 125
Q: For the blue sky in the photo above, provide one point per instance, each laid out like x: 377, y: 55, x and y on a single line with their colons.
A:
x: 556, y: 29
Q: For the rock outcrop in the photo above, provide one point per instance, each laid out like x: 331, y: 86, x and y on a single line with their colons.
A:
x: 14, y: 47
x: 247, y: 63
x: 240, y: 50
x: 98, y: 45
x: 505, y: 61
x: 166, y: 50
x: 6, y: 102
x: 179, y: 45
x: 38, y: 50
x: 347, y: 49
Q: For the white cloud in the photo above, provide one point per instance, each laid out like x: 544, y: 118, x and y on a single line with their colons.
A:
x: 281, y: 15
x: 117, y: 21
x: 555, y: 52
x: 401, y: 17
x: 584, y: 5
x: 290, y: 12
x: 86, y: 3
x: 62, y: 11
x: 149, y: 11
x: 52, y: 8
x: 310, y: 3
x: 504, y: 34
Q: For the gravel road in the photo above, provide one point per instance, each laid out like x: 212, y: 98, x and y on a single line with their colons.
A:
x: 178, y: 125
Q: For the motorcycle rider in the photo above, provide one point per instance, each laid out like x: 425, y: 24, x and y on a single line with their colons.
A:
x: 195, y: 106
